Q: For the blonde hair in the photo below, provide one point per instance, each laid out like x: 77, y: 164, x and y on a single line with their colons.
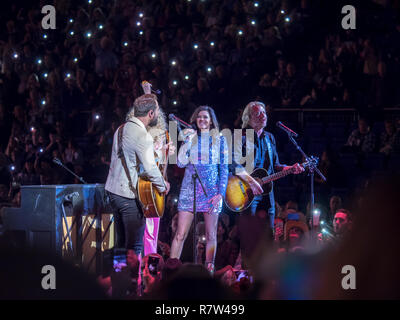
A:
x: 246, y: 112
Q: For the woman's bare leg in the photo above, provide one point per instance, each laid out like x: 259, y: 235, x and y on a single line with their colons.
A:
x: 185, y: 219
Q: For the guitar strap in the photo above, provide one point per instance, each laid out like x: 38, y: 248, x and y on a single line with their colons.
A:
x: 123, y: 161
x: 269, y: 150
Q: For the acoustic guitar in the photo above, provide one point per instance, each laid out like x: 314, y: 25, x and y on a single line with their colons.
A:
x: 152, y: 201
x: 239, y: 195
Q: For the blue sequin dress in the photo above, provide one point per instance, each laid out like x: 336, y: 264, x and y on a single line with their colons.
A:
x: 210, y: 155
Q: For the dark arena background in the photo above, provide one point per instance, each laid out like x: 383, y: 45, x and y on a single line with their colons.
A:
x: 328, y: 72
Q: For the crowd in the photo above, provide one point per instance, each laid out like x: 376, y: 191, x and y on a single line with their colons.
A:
x: 64, y: 92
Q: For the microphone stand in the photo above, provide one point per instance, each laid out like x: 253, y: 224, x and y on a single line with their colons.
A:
x: 312, y: 167
x: 195, y: 176
x: 58, y: 161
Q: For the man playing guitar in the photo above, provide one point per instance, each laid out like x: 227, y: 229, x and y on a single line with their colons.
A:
x: 132, y: 146
x: 265, y: 156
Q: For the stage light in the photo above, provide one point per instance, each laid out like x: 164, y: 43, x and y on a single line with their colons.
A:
x: 141, y: 14
x: 90, y: 1
x: 125, y: 44
x: 75, y: 60
x: 45, y: 75
x: 71, y: 33
x: 39, y: 61
x: 212, y: 43
x: 173, y: 62
x: 153, y: 55
x: 175, y: 83
x: 138, y: 23
x: 174, y: 102
x: 176, y: 200
x: 43, y: 102
x: 15, y: 55
x: 256, y: 4
x: 100, y: 26
x: 97, y: 117
x: 240, y: 32
x: 187, y: 77
x: 12, y: 167
x: 209, y: 69
x: 141, y: 32
x: 71, y: 20
x: 253, y: 22
x: 88, y: 34
x: 195, y: 46
x: 287, y: 19
x: 68, y: 75
x: 324, y: 231
x: 44, y: 36
x: 32, y: 129
x: 322, y: 222
x: 283, y: 11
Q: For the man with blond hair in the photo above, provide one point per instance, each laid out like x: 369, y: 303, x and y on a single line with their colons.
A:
x: 265, y: 156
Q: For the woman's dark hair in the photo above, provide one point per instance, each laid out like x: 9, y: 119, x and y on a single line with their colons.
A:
x: 214, y: 122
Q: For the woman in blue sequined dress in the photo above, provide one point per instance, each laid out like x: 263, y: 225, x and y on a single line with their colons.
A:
x: 207, y: 150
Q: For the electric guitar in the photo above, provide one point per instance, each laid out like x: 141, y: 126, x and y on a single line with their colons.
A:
x: 239, y: 195
x: 153, y: 202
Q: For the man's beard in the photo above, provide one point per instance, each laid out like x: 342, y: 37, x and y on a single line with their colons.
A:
x: 153, y: 122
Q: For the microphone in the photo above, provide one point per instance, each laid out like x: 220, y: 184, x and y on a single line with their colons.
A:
x: 146, y: 83
x: 172, y: 117
x: 286, y: 129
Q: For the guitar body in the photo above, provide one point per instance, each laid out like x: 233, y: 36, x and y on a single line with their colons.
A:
x: 239, y: 195
x: 153, y: 202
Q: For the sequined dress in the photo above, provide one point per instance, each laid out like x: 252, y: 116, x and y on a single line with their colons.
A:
x: 210, y: 155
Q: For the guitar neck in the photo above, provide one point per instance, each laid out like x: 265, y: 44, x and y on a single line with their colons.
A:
x: 277, y: 175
